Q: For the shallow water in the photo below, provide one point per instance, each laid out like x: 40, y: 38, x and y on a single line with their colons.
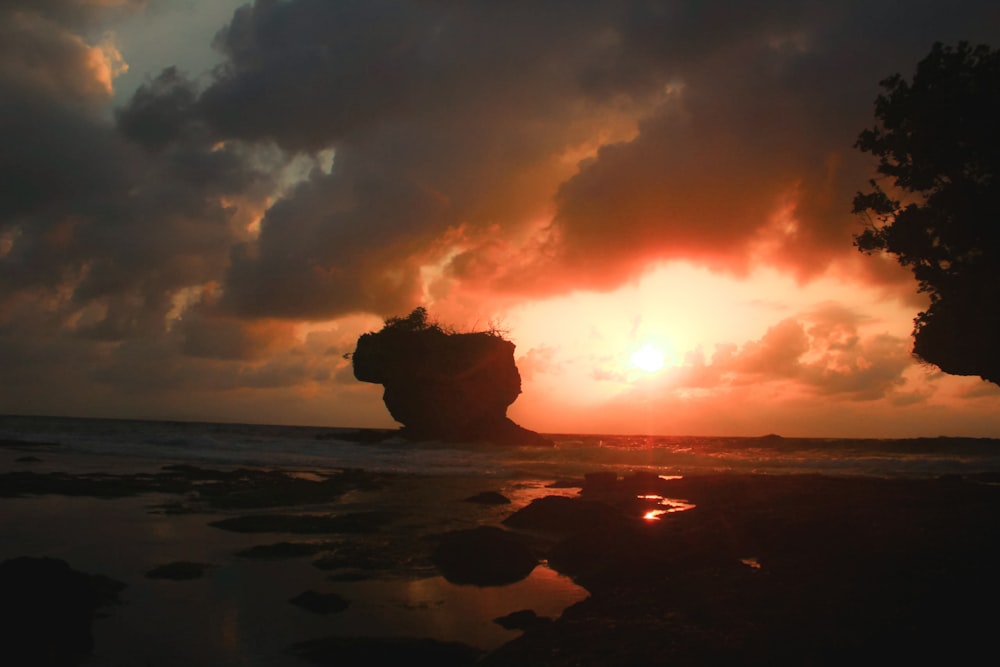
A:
x: 239, y: 613
x: 128, y: 443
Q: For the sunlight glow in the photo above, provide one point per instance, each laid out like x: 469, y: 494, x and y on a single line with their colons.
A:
x: 106, y: 63
x: 664, y: 506
x: 648, y: 358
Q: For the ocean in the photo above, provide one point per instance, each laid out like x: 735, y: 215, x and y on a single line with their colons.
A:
x: 123, y: 498
x: 127, y: 444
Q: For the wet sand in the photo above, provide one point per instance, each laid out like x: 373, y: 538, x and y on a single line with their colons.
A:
x: 756, y: 569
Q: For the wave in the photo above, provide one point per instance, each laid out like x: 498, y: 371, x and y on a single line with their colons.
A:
x: 571, y: 456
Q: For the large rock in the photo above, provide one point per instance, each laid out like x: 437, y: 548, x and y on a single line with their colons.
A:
x: 48, y: 608
x: 483, y: 556
x: 446, y: 386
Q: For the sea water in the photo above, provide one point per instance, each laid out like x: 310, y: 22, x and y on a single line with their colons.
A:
x: 129, y: 443
x: 239, y: 614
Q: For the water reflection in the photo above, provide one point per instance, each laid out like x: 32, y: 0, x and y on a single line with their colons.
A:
x: 448, y: 612
x: 663, y: 506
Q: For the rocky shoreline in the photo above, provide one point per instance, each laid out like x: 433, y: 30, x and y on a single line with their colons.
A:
x: 777, y: 570
x: 712, y: 569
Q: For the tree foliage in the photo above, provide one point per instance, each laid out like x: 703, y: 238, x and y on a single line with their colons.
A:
x: 417, y: 320
x: 935, y: 204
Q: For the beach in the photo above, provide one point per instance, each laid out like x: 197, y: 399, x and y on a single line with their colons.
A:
x: 226, y: 564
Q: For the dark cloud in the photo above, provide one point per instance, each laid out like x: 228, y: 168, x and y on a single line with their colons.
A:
x: 49, y: 61
x: 437, y: 119
x: 752, y: 160
x: 56, y: 147
x: 480, y: 150
x: 161, y: 111
x: 306, y: 74
x: 438, y: 112
x: 101, y: 232
x: 73, y: 13
x: 221, y: 337
x: 319, y: 255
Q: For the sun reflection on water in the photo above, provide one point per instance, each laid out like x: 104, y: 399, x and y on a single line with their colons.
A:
x: 664, y: 506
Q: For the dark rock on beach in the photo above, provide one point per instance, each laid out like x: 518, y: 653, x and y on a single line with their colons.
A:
x: 181, y: 570
x: 248, y: 488
x: 205, y: 488
x: 483, y: 556
x: 351, y: 575
x: 489, y: 498
x: 320, y: 603
x: 561, y: 514
x: 359, y: 522
x: 368, y: 651
x: 775, y: 570
x: 349, y: 559
x: 444, y: 386
x: 521, y: 620
x: 282, y: 550
x: 47, y: 609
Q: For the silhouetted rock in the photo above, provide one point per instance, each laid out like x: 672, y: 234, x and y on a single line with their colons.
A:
x: 561, y: 514
x: 599, y: 481
x: 489, y: 498
x: 365, y: 651
x: 779, y: 570
x: 521, y: 620
x: 320, y: 603
x: 483, y: 556
x: 48, y: 608
x: 444, y: 386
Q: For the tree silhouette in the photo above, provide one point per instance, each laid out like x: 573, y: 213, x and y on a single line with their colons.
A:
x: 417, y: 320
x: 938, y: 153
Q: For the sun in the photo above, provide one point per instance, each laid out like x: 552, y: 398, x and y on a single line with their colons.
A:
x: 648, y: 358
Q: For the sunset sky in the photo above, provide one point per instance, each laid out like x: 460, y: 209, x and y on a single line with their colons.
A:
x: 204, y: 203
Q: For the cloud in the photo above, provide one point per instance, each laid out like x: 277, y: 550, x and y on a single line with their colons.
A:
x: 437, y: 122
x: 776, y: 355
x: 571, y: 145
x: 980, y: 389
x: 822, y: 353
x: 160, y: 111
x: 483, y: 153
x: 105, y: 233
x: 511, y: 149
x: 223, y: 337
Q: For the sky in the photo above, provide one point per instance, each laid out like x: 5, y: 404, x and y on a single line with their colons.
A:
x: 203, y: 204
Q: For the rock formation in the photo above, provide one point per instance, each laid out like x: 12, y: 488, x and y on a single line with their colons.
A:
x: 48, y: 609
x: 445, y: 386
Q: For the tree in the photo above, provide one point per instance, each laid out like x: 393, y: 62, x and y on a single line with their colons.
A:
x: 938, y: 149
x: 415, y: 321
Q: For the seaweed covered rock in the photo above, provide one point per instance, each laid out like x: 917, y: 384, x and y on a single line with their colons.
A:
x: 440, y: 385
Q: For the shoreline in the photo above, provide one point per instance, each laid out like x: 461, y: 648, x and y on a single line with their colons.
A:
x: 763, y: 569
